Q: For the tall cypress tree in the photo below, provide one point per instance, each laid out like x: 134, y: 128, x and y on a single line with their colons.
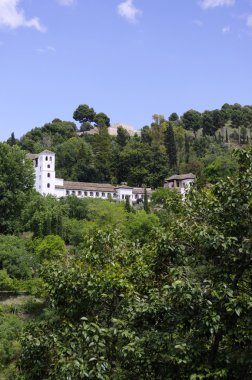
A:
x: 127, y: 205
x: 187, y: 149
x: 146, y: 204
x: 170, y: 146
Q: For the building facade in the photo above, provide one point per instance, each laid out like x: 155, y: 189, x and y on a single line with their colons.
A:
x: 180, y: 182
x: 47, y: 183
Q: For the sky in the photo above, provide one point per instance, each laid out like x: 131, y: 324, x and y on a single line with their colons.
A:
x: 127, y: 58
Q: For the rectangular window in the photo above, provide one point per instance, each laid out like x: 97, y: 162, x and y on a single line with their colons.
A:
x: 103, y: 194
x: 122, y: 196
x: 48, y: 166
x: 79, y: 192
x: 73, y: 192
x: 50, y: 158
x: 67, y: 192
x: 91, y: 193
x: 48, y: 175
x: 48, y: 185
x: 97, y: 193
x: 85, y: 193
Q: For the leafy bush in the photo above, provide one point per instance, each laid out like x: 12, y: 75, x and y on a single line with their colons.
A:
x: 15, y: 258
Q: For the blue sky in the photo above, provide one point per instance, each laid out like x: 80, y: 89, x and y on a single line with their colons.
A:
x: 127, y: 58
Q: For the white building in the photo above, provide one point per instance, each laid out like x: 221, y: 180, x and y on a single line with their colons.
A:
x: 46, y: 183
x: 180, y: 182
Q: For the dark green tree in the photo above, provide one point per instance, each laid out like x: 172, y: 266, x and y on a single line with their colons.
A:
x: 219, y: 120
x: 16, y: 184
x: 122, y: 137
x: 170, y: 146
x: 127, y: 205
x: 84, y: 114
x: 12, y: 140
x: 226, y: 135
x: 146, y: 135
x: 101, y: 120
x: 187, y: 149
x: 102, y: 148
x: 192, y: 121
x: 75, y: 160
x: 208, y: 124
x: 146, y: 201
x: 173, y: 117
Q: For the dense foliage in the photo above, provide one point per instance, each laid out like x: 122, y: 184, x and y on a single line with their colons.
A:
x: 171, y: 302
x: 160, y: 290
x: 196, y: 142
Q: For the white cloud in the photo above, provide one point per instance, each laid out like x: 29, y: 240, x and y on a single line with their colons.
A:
x: 66, y: 2
x: 249, y: 21
x: 226, y: 29
x: 128, y: 10
x: 198, y: 23
x: 12, y: 17
x: 205, y: 4
x: 47, y: 49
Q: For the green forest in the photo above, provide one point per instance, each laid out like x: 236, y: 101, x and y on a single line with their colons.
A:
x: 99, y: 289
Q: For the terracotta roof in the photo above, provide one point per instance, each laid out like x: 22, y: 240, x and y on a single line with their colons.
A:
x: 123, y: 187
x: 47, y: 152
x: 31, y: 156
x: 181, y: 177
x: 140, y: 190
x: 69, y: 185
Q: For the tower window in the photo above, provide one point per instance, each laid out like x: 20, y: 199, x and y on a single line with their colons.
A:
x: 46, y: 158
x: 48, y: 166
x: 48, y: 185
x: 48, y: 175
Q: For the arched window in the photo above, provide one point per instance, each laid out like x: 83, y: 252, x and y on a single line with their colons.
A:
x: 48, y: 175
x: 46, y: 158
